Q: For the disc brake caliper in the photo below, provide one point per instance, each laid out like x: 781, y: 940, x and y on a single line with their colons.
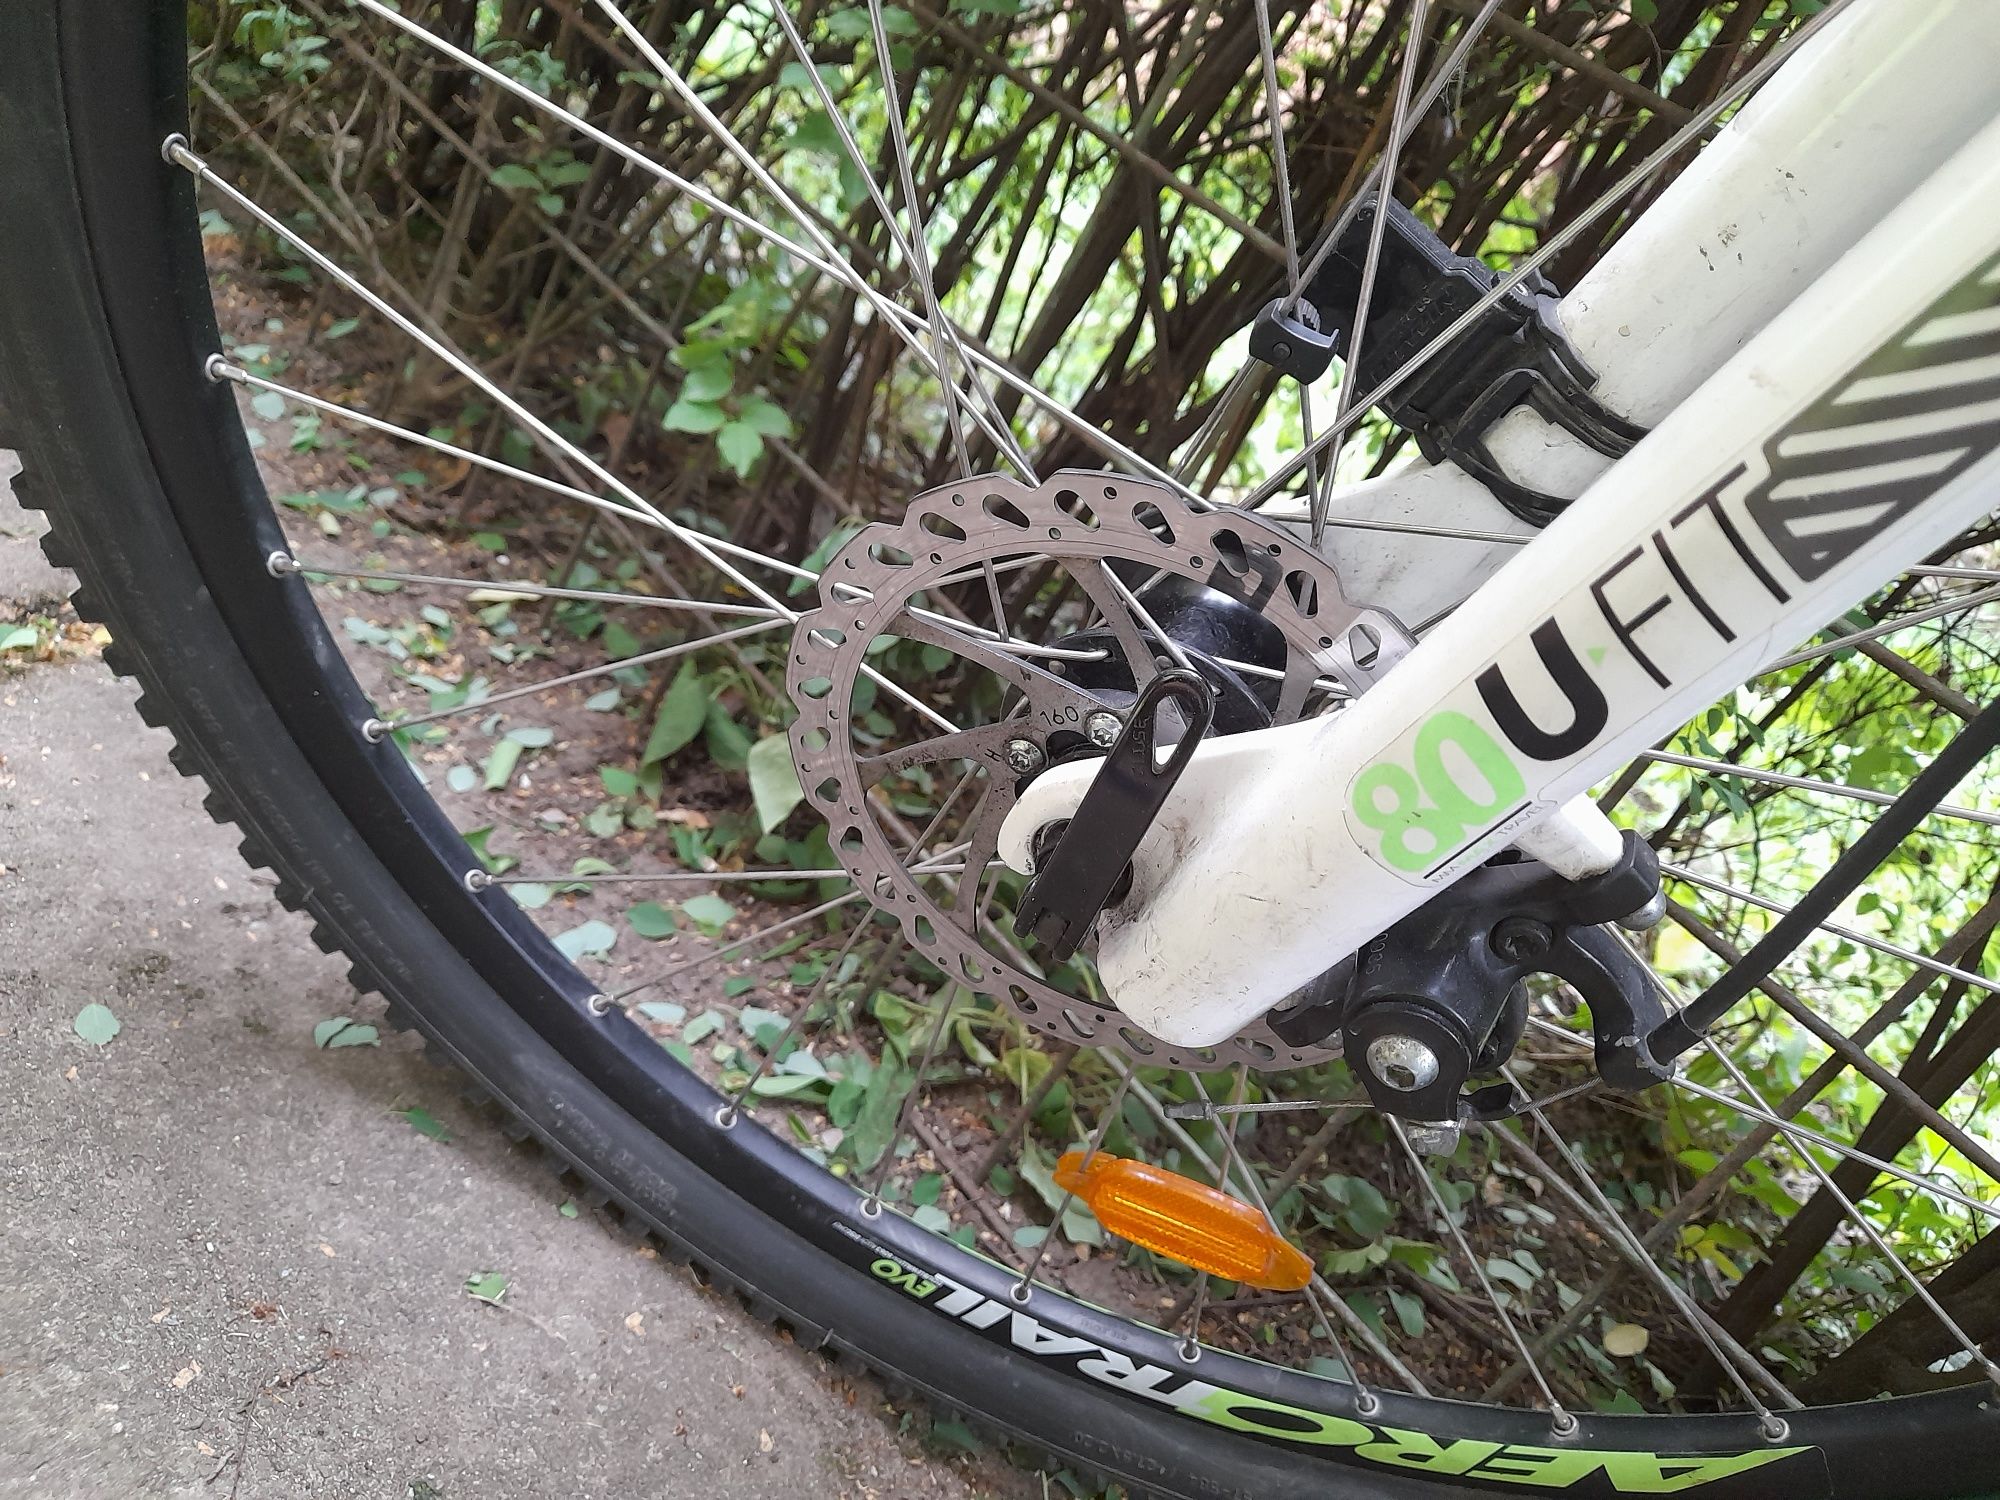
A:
x: 1438, y: 999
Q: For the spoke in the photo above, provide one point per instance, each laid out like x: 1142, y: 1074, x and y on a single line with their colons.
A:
x: 1021, y: 1287
x: 1369, y: 1339
x: 376, y: 728
x: 1233, y: 1164
x: 907, y: 325
x: 1171, y: 646
x: 1973, y: 600
x: 694, y: 877
x: 917, y: 255
x: 512, y: 590
x: 729, y: 1112
x: 1559, y: 1419
x: 551, y: 440
x: 1385, y: 194
x: 1863, y: 1223
x: 1809, y: 784
x: 1581, y: 1046
x: 724, y: 949
x: 1594, y: 1207
x: 1549, y: 248
x: 1851, y: 934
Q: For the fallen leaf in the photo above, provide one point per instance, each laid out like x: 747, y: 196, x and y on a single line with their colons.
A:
x: 69, y: 1074
x: 425, y: 1123
x: 96, y: 1025
x: 486, y: 1286
x: 764, y: 1443
x: 203, y: 1449
x: 637, y: 1323
x: 185, y: 1375
x: 327, y: 1251
x: 737, y: 1391
x: 345, y: 1031
x: 1625, y: 1340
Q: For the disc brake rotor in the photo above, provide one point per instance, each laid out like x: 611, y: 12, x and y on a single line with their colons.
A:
x: 917, y: 581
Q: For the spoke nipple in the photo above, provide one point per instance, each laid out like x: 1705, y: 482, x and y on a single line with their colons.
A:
x: 725, y: 1117
x: 1562, y: 1423
x: 871, y: 1207
x: 1189, y: 1350
x: 281, y: 564
x: 1774, y: 1427
x: 215, y: 367
x: 375, y: 730
x: 1018, y: 1293
x: 477, y: 880
x: 174, y: 148
x: 601, y: 1004
x: 1366, y: 1402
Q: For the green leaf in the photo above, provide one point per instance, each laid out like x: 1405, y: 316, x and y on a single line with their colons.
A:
x: 709, y: 912
x: 567, y: 1208
x: 708, y: 381
x: 345, y: 1031
x: 728, y: 744
x: 774, y: 782
x: 425, y: 1123
x: 651, y: 920
x: 694, y: 416
x: 268, y: 404
x: 767, y: 417
x: 461, y: 778
x: 683, y: 711
x: 532, y: 736
x: 874, y: 1128
x: 549, y: 203
x: 486, y: 1286
x: 664, y: 1011
x: 604, y: 702
x: 19, y: 638
x: 501, y: 763
x: 96, y: 1025
x: 590, y: 939
x: 514, y: 175
x: 741, y: 445
x: 1409, y: 1312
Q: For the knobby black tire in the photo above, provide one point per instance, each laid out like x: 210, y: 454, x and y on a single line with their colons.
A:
x: 155, y: 501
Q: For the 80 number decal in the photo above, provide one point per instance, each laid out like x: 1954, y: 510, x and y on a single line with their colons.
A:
x: 1425, y: 812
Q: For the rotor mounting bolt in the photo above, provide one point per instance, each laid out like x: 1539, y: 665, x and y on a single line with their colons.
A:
x: 1521, y: 939
x: 1103, y: 728
x: 1024, y: 756
x: 1402, y: 1062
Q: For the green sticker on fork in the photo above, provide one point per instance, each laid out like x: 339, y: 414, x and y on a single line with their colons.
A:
x: 1426, y: 810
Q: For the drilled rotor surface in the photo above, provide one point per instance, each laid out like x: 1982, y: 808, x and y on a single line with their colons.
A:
x: 1078, y: 522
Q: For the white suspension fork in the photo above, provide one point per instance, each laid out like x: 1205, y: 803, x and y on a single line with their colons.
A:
x: 1855, y: 434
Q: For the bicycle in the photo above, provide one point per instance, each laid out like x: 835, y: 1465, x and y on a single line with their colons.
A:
x: 1691, y: 497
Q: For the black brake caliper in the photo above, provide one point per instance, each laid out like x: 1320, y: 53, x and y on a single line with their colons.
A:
x: 1438, y: 1000
x: 1514, y: 354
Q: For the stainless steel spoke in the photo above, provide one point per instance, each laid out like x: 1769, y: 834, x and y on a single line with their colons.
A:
x: 916, y: 256
x: 552, y: 441
x: 723, y: 950
x: 692, y: 877
x: 1559, y: 1419
x: 1369, y: 1339
x: 728, y: 1113
x: 1973, y: 600
x: 1852, y: 935
x: 376, y: 728
x: 1392, y: 151
x: 515, y: 590
x: 1862, y: 1222
x: 1810, y: 784
x: 1589, y: 1200
x: 1582, y: 1048
x: 1023, y: 1285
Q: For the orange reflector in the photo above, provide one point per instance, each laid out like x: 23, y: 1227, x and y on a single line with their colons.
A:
x: 1180, y: 1218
